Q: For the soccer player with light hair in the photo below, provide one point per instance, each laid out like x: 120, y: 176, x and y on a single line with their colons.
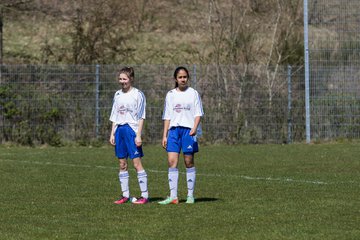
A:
x: 181, y: 116
x: 127, y: 117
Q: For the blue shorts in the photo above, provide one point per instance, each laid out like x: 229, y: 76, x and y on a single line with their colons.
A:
x: 179, y: 139
x: 125, y: 143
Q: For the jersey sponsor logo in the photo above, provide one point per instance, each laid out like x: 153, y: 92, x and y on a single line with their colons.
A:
x: 124, y: 109
x: 178, y: 108
x: 121, y: 110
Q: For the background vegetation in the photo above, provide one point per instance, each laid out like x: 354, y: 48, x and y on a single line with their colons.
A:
x: 257, y: 37
x: 240, y: 49
x: 59, y: 104
x: 152, y: 32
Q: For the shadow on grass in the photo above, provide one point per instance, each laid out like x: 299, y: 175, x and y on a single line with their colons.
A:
x: 206, y: 199
x: 155, y: 199
x: 203, y: 199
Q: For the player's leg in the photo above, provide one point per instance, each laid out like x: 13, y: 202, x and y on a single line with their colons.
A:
x: 190, y: 176
x: 190, y: 147
x: 136, y: 153
x: 173, y: 178
x: 173, y: 149
x: 173, y: 173
x: 142, y: 180
x: 121, y: 154
x: 124, y: 181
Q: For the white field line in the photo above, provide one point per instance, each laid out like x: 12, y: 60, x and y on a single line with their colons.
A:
x: 165, y: 172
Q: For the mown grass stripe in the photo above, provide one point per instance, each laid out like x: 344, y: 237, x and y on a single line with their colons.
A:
x: 284, y: 180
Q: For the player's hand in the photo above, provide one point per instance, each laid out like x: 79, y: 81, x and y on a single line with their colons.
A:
x: 164, y: 142
x: 112, y: 140
x: 192, y: 132
x: 138, y: 141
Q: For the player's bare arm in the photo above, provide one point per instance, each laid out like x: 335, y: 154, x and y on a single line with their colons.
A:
x: 138, y: 140
x: 165, y: 133
x: 196, y: 124
x: 112, y: 134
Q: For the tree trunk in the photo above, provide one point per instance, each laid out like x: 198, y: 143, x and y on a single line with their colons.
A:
x: 1, y: 43
x: 1, y: 39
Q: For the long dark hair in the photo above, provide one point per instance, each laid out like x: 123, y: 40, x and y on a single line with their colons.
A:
x: 177, y: 70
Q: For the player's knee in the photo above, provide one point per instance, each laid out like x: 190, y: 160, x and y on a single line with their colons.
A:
x: 189, y: 161
x: 189, y: 164
x: 123, y: 166
x: 137, y: 164
x: 172, y: 163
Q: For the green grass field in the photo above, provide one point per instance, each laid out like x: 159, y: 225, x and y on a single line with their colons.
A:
x: 243, y: 192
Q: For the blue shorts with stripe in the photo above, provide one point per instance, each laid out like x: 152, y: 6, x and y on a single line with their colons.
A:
x: 179, y: 139
x: 125, y: 143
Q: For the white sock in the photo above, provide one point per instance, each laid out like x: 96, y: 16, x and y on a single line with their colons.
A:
x: 124, y: 183
x: 173, y: 181
x: 142, y: 179
x: 191, y: 179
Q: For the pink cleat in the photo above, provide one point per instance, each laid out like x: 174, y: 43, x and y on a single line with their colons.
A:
x: 141, y: 201
x: 122, y: 200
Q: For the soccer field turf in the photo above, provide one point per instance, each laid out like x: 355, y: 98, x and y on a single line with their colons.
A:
x: 243, y: 192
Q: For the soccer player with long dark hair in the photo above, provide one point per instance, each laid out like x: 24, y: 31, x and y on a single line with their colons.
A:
x: 181, y: 116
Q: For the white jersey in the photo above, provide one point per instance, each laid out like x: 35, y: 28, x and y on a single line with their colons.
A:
x: 181, y: 107
x: 128, y: 108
